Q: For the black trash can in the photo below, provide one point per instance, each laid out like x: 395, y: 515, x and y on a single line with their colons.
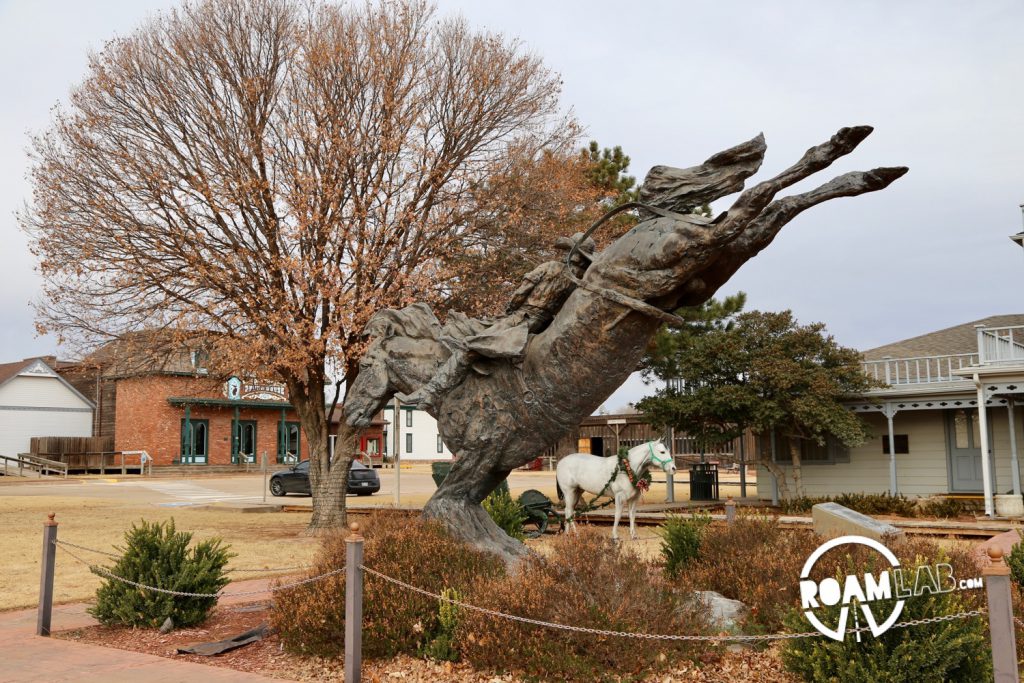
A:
x: 440, y: 470
x: 704, y: 481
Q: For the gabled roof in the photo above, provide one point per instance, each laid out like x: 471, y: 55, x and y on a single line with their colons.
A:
x: 9, y: 371
x: 952, y: 340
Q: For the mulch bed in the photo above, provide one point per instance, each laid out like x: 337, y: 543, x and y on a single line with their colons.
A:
x: 268, y: 658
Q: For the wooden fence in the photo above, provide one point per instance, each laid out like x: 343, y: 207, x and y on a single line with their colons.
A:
x: 50, y: 446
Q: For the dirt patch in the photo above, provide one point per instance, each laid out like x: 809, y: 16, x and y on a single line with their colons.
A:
x: 267, y: 657
x: 101, y: 523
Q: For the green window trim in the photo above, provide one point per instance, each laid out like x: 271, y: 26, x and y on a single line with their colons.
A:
x: 289, y: 442
x: 195, y: 442
x: 244, y: 438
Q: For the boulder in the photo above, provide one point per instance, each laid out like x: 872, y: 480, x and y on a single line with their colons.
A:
x: 724, y: 614
x: 1004, y: 541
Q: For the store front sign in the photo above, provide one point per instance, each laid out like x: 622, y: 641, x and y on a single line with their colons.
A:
x: 254, y: 390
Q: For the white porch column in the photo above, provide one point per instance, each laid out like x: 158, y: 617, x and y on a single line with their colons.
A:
x: 986, y: 473
x: 775, y: 480
x: 1014, y: 468
x: 890, y: 411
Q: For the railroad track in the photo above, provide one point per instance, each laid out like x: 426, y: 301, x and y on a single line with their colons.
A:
x: 964, y: 530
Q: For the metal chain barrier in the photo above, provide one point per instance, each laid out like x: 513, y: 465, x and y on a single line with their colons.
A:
x: 88, y: 550
x: 100, y: 571
x: 297, y: 568
x: 65, y: 546
x: 656, y: 636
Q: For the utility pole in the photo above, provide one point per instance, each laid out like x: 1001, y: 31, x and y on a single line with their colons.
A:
x: 398, y: 450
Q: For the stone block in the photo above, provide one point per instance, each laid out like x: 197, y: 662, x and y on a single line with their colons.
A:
x: 1009, y: 505
x: 833, y: 519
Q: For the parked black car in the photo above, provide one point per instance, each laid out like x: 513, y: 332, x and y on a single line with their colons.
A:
x: 362, y: 480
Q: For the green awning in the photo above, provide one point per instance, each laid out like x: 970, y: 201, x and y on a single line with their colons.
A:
x: 227, y: 403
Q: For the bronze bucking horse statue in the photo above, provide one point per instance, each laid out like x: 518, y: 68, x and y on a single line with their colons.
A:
x: 505, y: 390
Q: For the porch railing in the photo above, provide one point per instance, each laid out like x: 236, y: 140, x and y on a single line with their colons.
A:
x: 995, y: 345
x: 920, y: 370
x: 1001, y: 344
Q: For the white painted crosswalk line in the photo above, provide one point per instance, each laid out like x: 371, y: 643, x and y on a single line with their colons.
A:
x: 189, y: 493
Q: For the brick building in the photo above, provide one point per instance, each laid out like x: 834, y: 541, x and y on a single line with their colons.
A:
x: 165, y: 401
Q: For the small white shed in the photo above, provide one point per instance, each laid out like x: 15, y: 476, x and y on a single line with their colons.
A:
x: 36, y: 401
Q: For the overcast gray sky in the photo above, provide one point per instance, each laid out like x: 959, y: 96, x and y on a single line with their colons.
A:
x: 674, y: 82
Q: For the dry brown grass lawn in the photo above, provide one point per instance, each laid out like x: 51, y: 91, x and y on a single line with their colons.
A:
x: 264, y: 540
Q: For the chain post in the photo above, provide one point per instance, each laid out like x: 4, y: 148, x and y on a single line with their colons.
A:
x: 353, y: 605
x: 46, y: 575
x: 1000, y: 618
x: 730, y: 510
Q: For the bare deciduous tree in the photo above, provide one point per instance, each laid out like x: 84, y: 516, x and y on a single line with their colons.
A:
x: 272, y: 173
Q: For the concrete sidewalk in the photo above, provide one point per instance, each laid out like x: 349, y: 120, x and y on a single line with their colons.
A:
x: 26, y: 657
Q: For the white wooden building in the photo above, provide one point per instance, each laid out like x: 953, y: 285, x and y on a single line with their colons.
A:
x: 928, y: 408
x: 418, y: 436
x: 36, y: 401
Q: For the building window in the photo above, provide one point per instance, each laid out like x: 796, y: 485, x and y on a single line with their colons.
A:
x: 408, y: 443
x: 966, y: 429
x: 194, y: 441
x: 902, y: 443
x: 811, y: 452
x: 199, y: 360
x: 440, y: 444
x: 408, y: 418
x: 288, y: 442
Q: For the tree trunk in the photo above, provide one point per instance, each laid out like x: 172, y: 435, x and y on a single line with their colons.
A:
x: 328, y: 481
x: 794, y: 454
x: 767, y: 460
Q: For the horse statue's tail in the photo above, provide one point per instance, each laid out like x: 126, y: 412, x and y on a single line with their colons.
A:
x: 558, y: 490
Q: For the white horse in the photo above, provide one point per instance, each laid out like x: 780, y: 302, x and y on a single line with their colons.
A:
x: 600, y: 476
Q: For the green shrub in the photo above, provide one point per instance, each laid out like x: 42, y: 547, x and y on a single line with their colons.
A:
x: 878, y: 503
x: 865, y: 503
x: 585, y: 580
x: 680, y: 540
x: 158, y: 555
x: 1016, y: 561
x: 801, y: 504
x: 506, y: 512
x: 311, y: 618
x: 444, y: 646
x: 943, y: 508
x: 955, y: 651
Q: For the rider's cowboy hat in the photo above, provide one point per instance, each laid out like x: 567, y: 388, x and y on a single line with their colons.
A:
x: 586, y: 248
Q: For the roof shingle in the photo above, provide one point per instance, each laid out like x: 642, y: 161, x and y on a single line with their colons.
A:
x: 952, y: 340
